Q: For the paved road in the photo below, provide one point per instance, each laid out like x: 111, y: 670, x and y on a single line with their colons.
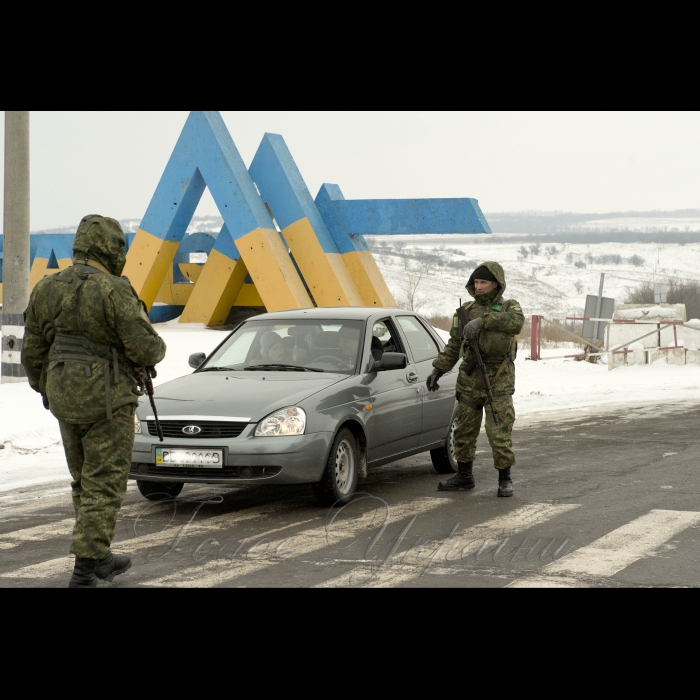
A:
x: 606, y: 500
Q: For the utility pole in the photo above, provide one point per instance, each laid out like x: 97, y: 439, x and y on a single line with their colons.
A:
x: 15, y: 267
x: 598, y: 306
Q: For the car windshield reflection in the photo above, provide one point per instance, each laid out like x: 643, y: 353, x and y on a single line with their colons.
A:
x: 290, y: 346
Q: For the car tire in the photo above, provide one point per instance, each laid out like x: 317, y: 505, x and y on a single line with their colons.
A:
x: 444, y: 459
x: 159, y: 490
x: 339, y: 479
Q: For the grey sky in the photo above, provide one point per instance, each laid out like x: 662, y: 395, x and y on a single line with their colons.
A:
x: 110, y: 162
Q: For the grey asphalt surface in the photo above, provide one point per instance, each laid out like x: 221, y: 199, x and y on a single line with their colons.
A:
x: 631, y: 472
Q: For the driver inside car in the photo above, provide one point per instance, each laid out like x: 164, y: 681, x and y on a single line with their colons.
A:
x: 272, y: 349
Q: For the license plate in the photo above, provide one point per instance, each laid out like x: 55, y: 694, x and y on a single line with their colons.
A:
x: 202, y: 459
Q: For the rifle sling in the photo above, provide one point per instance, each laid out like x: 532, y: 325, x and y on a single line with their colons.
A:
x: 507, y: 358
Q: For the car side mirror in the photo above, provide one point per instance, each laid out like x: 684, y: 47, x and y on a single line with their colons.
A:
x: 390, y: 360
x: 196, y: 359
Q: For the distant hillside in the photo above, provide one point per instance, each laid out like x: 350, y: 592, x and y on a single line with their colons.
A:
x: 679, y: 221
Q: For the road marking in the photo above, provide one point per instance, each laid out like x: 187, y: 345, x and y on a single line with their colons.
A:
x: 307, y: 542
x: 59, y: 528
x: 134, y: 545
x: 27, y: 506
x: 46, y: 569
x: 409, y: 566
x: 615, y: 551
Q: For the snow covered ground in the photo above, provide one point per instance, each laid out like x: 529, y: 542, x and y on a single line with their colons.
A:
x: 545, y: 281
x: 552, y: 390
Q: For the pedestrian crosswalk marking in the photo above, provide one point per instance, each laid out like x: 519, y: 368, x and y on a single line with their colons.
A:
x: 8, y: 540
x: 615, y: 551
x: 45, y: 569
x: 136, y: 545
x: 216, y: 572
x: 497, y: 528
x: 606, y: 556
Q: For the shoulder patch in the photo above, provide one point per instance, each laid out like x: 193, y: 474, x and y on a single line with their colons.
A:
x: 455, y: 321
x: 513, y: 304
x: 497, y: 307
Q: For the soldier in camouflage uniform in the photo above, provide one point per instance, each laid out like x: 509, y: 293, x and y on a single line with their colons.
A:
x: 495, y: 323
x: 87, y: 341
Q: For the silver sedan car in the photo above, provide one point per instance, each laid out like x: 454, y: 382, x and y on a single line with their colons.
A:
x: 315, y: 396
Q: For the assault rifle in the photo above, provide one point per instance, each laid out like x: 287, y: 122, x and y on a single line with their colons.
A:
x: 151, y: 374
x: 476, y: 357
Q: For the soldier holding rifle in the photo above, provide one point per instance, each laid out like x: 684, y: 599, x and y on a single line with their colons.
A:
x: 483, y: 337
x: 87, y: 346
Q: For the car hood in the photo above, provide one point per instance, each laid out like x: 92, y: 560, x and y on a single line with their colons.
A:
x: 251, y: 395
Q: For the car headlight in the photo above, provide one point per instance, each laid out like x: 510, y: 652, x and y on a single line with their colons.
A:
x: 137, y: 425
x: 287, y: 421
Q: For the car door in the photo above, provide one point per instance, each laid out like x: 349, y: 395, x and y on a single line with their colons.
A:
x: 438, y: 406
x: 394, y: 396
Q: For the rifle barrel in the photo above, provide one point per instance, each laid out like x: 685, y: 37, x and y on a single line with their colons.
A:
x: 151, y: 398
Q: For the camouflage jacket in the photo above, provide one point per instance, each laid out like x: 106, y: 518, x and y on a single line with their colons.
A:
x: 92, y: 303
x: 503, y: 320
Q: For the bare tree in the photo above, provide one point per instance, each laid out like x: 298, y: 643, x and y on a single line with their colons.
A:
x: 412, y: 296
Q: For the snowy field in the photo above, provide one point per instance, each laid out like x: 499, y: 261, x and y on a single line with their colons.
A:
x: 552, y: 390
x: 545, y: 281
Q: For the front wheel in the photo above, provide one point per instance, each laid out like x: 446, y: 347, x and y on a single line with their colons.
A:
x: 159, y: 490
x: 444, y: 458
x: 339, y: 479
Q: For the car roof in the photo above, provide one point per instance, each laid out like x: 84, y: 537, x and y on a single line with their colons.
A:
x: 347, y: 313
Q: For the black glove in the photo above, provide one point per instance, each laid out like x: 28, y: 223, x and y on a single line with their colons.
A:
x: 472, y: 328
x: 432, y: 381
x: 45, y: 401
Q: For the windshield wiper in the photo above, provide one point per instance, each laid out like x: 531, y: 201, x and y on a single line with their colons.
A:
x: 218, y: 369
x: 282, y: 368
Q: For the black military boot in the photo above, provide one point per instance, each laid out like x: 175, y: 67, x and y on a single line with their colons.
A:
x: 505, y: 483
x: 84, y: 575
x: 461, y: 481
x: 112, y: 565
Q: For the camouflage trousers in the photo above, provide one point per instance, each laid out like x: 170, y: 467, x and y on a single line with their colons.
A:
x: 99, y: 457
x: 471, y: 409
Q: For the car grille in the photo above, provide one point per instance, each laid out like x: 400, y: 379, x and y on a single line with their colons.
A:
x: 210, y: 429
x: 225, y: 473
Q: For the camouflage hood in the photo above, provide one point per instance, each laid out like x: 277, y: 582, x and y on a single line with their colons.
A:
x: 101, y: 239
x: 497, y: 294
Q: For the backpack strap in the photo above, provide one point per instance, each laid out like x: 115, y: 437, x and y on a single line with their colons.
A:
x: 79, y: 348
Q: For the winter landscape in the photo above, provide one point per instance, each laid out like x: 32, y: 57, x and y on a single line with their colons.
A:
x: 547, y: 273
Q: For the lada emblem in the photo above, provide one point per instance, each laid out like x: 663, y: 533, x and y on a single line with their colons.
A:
x: 191, y: 430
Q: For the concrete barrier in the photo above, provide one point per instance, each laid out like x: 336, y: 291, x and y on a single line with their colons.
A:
x: 641, y: 319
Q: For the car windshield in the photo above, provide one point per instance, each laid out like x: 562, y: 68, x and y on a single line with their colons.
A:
x: 290, y: 346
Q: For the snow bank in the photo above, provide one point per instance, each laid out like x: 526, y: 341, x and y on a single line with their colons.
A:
x: 670, y: 312
x: 551, y: 389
